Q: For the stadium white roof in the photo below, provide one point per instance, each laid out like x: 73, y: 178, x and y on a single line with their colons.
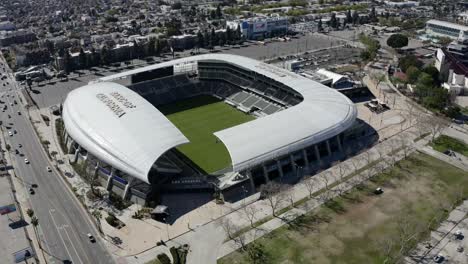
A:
x: 322, y: 114
x: 119, y: 127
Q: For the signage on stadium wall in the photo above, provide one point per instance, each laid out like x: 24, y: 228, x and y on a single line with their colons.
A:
x: 259, y: 27
x: 114, y: 104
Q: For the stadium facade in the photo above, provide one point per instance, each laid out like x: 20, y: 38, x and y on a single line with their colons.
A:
x: 114, y: 127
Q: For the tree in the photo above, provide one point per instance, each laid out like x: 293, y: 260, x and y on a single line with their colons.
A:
x: 152, y: 46
x: 105, y: 56
x: 434, y: 73
x: 349, y: 17
x: 30, y: 212
x: 219, y: 14
x: 67, y: 63
x: 97, y: 215
x: 409, y: 60
x: 82, y: 59
x: 373, y: 15
x: 233, y: 232
x: 212, y: 14
x: 257, y: 254
x: 412, y: 73
x: 319, y: 25
x: 274, y: 194
x: 355, y: 18
x: 35, y: 223
x: 250, y: 212
x: 309, y: 184
x: 229, y: 35
x: 238, y: 33
x: 8, y: 147
x: 213, y: 38
x: 333, y: 21
x: 397, y: 41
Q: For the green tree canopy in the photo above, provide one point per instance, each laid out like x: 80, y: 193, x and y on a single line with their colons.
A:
x: 413, y: 74
x: 397, y: 41
x: 409, y: 60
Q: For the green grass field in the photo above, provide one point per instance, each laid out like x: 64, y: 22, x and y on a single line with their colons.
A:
x: 360, y: 226
x: 198, y: 118
x: 443, y: 143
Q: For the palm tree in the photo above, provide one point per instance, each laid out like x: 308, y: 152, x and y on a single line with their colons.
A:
x: 97, y: 214
x: 30, y: 212
x: 35, y: 223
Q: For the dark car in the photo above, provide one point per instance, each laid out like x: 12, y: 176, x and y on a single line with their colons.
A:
x: 31, y: 191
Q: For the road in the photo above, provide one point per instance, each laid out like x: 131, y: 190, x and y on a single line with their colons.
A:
x: 63, y: 223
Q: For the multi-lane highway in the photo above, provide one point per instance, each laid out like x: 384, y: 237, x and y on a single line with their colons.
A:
x: 63, y: 223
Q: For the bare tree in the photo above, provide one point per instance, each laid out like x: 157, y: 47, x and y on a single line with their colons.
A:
x: 408, y: 232
x: 410, y: 111
x: 405, y: 147
x: 342, y: 171
x: 289, y: 191
x: 309, y: 184
x: 432, y: 124
x: 369, y: 168
x: 438, y: 125
x: 233, y: 232
x: 274, y: 194
x: 378, y: 78
x: 250, y: 212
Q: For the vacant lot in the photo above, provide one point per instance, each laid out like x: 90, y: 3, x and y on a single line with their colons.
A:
x: 198, y: 118
x: 362, y: 227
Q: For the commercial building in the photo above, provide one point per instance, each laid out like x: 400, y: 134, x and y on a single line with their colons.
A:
x: 113, y: 124
x: 440, y: 28
x: 259, y: 28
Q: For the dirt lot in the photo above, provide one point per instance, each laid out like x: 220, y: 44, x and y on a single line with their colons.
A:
x: 362, y: 227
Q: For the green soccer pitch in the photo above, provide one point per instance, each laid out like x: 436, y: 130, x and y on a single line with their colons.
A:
x: 198, y: 118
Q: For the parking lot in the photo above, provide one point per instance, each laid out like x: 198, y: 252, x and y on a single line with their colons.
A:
x: 53, y: 92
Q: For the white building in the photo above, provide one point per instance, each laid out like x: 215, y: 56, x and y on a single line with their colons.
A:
x: 439, y: 28
x: 259, y: 28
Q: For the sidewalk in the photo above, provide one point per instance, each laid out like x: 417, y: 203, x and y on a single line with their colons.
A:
x: 442, y: 241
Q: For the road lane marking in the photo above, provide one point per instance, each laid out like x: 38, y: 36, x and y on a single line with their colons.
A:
x: 60, y: 235
x: 74, y: 248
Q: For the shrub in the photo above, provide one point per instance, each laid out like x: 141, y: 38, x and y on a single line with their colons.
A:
x: 164, y: 259
x: 175, y: 255
x: 112, y: 220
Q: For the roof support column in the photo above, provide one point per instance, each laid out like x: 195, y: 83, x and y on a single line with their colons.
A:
x: 252, y: 184
x: 317, y: 155
x: 109, y: 179
x: 280, y: 168
x: 293, y: 164
x: 127, y: 188
x: 339, y: 143
x: 77, y: 151
x: 306, y: 160
x: 327, y: 142
x: 265, y: 173
x: 96, y: 169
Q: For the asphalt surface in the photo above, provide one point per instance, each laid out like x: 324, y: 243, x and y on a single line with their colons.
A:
x: 63, y: 223
x: 54, y: 92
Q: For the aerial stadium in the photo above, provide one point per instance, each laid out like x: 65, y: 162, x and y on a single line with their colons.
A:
x: 203, y: 122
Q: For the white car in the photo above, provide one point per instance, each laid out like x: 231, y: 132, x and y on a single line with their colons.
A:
x: 9, y: 133
x: 48, y: 169
x: 91, y: 238
x: 26, y: 161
